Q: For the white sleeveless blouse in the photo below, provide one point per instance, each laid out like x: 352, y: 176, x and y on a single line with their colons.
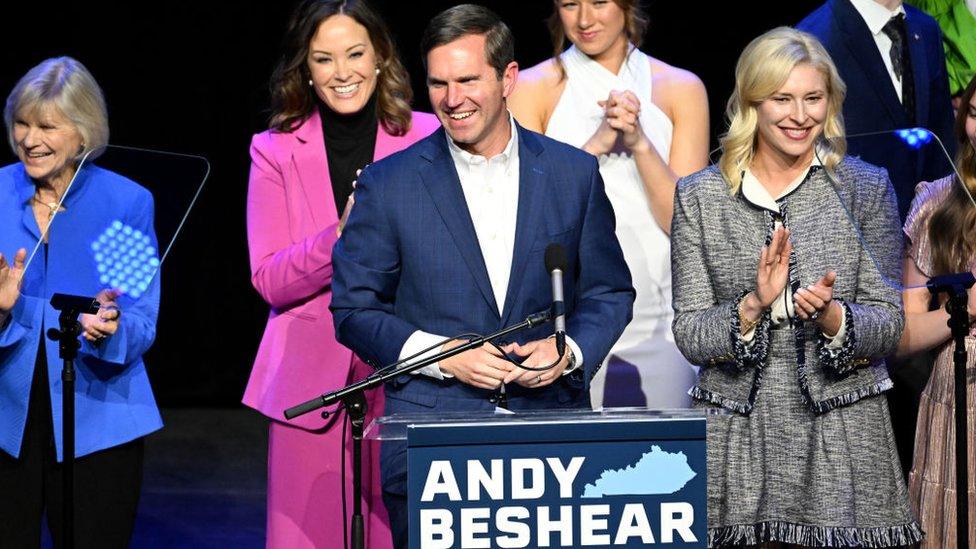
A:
x: 647, y: 343
x: 574, y: 120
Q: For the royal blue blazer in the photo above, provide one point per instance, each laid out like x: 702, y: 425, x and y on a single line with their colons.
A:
x: 113, y: 400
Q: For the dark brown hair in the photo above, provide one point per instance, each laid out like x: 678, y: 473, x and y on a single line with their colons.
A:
x: 635, y: 25
x: 466, y: 19
x: 952, y: 225
x: 293, y: 100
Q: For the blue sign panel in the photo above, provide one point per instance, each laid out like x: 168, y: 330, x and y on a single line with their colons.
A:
x: 608, y: 484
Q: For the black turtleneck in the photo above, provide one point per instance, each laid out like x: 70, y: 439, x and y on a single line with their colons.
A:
x: 350, y: 140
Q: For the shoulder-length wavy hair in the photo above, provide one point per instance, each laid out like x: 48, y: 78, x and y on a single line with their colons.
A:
x: 635, y: 25
x: 64, y: 83
x: 762, y: 69
x: 293, y: 100
x: 952, y: 226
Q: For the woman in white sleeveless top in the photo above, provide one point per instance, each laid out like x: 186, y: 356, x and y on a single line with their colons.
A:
x: 647, y: 122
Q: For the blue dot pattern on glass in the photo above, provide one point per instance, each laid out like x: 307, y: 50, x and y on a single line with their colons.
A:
x: 125, y: 259
x: 915, y: 137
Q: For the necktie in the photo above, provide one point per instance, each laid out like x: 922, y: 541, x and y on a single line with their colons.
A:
x: 901, y: 62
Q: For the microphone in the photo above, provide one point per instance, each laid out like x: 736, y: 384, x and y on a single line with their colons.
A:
x: 556, y: 265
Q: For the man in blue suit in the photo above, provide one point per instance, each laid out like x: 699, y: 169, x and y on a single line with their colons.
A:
x: 448, y: 236
x: 887, y: 88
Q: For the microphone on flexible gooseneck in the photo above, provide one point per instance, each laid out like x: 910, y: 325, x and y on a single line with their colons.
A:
x: 556, y: 265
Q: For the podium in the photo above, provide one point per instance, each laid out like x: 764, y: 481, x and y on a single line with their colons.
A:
x: 555, y: 478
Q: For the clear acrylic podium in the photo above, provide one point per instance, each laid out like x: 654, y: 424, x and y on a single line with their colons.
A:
x: 621, y: 477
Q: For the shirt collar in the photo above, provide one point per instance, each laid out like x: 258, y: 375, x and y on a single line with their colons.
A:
x: 874, y: 14
x: 756, y: 193
x: 462, y: 157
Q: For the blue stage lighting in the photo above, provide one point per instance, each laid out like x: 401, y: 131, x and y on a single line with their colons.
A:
x: 125, y: 259
x: 915, y: 138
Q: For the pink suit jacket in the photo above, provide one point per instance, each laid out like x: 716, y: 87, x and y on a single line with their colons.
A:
x: 291, y: 228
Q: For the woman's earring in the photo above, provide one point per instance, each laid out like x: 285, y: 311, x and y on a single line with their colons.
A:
x: 310, y: 83
x: 377, y: 70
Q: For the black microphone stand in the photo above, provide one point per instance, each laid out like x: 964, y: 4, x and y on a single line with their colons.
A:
x: 67, y: 333
x: 353, y: 397
x: 956, y: 286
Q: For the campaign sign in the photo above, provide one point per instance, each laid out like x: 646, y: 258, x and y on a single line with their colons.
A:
x: 634, y: 482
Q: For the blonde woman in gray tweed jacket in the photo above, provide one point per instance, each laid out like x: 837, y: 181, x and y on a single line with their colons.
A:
x: 784, y: 259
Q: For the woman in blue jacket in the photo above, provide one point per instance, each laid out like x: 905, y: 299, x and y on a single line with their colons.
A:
x: 58, y: 207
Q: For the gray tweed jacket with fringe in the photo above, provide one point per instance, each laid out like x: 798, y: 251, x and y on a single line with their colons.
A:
x: 847, y: 223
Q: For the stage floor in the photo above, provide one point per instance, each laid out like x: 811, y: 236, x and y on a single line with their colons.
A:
x: 204, y: 482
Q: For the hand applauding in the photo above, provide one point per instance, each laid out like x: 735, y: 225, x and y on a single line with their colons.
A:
x: 621, y: 121
x: 816, y: 303
x: 771, y: 276
x: 11, y: 277
x: 773, y: 269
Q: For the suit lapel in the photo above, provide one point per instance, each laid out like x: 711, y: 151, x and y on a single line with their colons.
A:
x: 532, y: 184
x: 920, y: 69
x: 442, y: 182
x: 311, y: 166
x: 862, y: 47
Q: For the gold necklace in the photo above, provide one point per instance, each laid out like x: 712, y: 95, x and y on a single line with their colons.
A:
x: 53, y: 207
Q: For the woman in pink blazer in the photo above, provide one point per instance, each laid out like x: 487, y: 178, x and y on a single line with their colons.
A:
x: 340, y: 99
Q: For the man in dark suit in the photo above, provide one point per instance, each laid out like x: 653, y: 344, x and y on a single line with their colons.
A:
x: 448, y: 237
x: 890, y: 56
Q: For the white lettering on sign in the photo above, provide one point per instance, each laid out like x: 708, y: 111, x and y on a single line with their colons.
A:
x: 474, y: 522
x: 521, y: 533
x: 527, y: 477
x: 478, y: 479
x: 436, y: 528
x: 544, y: 526
x: 613, y: 523
x: 565, y: 475
x: 677, y: 517
x: 634, y: 523
x: 440, y: 480
x: 591, y: 523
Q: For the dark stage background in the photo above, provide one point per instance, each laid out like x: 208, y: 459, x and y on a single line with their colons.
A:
x: 192, y: 78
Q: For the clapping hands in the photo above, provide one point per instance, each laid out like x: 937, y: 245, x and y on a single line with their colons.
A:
x: 11, y: 277
x: 621, y: 120
x: 774, y: 267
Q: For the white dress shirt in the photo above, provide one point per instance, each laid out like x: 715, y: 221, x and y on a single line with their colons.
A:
x: 491, y: 191
x: 782, y: 309
x: 877, y: 16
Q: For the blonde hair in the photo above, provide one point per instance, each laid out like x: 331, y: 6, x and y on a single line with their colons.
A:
x: 64, y: 83
x: 762, y: 69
